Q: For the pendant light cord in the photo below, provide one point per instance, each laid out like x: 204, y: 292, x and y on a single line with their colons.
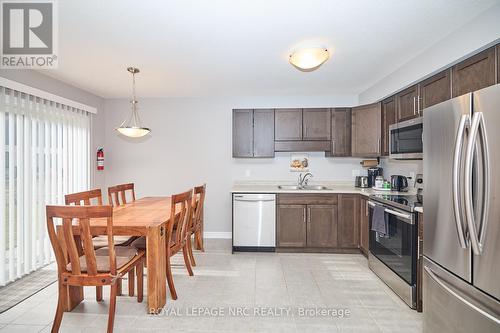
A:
x: 134, y: 120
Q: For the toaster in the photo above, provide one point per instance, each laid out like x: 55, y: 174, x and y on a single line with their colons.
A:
x: 361, y: 181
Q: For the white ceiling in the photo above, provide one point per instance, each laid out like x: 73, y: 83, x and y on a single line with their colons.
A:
x: 229, y: 47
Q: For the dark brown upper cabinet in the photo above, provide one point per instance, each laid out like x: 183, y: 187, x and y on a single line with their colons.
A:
x: 407, y: 104
x: 498, y: 63
x: 288, y: 125
x: 253, y: 133
x: 435, y: 89
x: 341, y: 133
x: 302, y: 130
x: 366, y: 130
x: 263, y: 133
x: 474, y: 73
x: 348, y: 221
x: 321, y: 226
x: 388, y: 118
x: 316, y: 124
x: 243, y: 133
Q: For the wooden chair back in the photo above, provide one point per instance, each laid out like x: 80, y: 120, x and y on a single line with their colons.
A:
x: 85, y: 197
x: 198, y: 203
x: 180, y: 219
x: 67, y: 249
x: 117, y: 194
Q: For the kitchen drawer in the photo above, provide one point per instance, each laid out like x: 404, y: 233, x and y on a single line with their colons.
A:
x: 307, y: 199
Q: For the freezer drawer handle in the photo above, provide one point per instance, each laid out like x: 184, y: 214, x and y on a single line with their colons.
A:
x: 477, y: 236
x: 436, y: 279
x: 457, y: 204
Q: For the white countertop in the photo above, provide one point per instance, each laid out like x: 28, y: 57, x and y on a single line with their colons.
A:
x: 419, y: 209
x: 332, y: 187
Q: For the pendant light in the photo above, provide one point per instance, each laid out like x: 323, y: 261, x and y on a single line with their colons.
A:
x: 132, y: 126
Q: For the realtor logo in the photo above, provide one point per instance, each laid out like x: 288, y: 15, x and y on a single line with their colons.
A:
x: 28, y: 34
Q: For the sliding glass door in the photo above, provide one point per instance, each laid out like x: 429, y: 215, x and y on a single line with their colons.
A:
x: 44, y: 154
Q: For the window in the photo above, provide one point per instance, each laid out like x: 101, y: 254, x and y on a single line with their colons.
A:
x: 44, y: 154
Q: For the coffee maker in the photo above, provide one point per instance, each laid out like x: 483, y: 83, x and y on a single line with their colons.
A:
x: 372, y: 174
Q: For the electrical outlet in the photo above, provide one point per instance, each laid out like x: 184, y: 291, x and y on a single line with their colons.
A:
x: 247, y: 173
x: 355, y: 172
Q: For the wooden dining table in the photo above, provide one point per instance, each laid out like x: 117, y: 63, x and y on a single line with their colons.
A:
x: 146, y: 217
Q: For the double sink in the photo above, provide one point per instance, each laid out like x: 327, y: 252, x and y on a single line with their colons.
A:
x: 302, y: 188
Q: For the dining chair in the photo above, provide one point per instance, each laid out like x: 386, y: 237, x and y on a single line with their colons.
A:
x: 177, y: 234
x: 87, y: 268
x: 94, y: 197
x: 196, y: 227
x: 117, y: 195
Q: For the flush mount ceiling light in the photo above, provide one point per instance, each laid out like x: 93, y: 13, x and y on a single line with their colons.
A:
x: 309, y: 59
x: 132, y: 126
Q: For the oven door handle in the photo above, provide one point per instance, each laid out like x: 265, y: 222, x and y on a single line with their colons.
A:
x: 392, y: 212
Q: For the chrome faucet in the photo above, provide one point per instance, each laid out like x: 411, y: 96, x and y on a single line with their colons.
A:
x: 303, y: 180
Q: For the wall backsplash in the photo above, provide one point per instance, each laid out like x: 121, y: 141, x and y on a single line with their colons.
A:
x: 405, y: 168
x: 335, y: 169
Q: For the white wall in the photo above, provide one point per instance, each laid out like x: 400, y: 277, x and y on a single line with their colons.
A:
x: 481, y: 31
x: 46, y: 83
x: 191, y: 143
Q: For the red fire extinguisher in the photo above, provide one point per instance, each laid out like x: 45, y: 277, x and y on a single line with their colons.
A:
x: 100, y: 159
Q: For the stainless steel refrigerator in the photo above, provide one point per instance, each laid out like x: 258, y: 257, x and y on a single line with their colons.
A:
x: 461, y: 287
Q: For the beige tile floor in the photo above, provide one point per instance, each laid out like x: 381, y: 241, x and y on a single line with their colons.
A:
x: 255, y: 283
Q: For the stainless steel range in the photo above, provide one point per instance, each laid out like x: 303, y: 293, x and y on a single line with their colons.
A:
x: 394, y: 249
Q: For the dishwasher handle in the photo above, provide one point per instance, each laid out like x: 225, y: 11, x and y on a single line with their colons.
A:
x: 247, y: 199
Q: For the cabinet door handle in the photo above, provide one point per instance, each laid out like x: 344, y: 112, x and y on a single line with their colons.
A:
x: 366, y: 208
x: 414, y: 105
x: 304, y: 215
x: 378, y: 147
x: 333, y: 147
x: 308, y: 214
x: 418, y: 105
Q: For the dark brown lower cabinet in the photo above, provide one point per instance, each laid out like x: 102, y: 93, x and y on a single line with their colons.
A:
x: 291, y: 226
x: 364, y: 226
x: 348, y: 221
x: 321, y: 226
x: 318, y: 222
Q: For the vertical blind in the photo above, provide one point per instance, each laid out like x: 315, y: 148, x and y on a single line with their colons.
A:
x: 44, y: 154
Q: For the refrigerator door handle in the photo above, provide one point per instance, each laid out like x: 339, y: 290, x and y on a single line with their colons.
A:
x: 477, y: 237
x: 457, y: 204
x: 442, y: 284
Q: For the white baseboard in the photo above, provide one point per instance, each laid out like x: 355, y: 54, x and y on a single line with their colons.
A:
x: 217, y: 234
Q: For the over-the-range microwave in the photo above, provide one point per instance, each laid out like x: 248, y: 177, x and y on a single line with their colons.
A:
x: 406, y: 140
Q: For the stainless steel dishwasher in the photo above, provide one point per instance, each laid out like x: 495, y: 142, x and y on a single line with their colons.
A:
x: 254, y: 222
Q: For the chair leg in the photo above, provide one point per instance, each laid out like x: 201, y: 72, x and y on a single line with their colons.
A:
x: 131, y: 282
x: 119, y: 287
x: 190, y: 249
x: 59, y: 312
x: 112, y: 306
x: 98, y: 293
x: 186, y: 259
x: 198, y: 236
x: 170, y: 278
x: 140, y: 281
